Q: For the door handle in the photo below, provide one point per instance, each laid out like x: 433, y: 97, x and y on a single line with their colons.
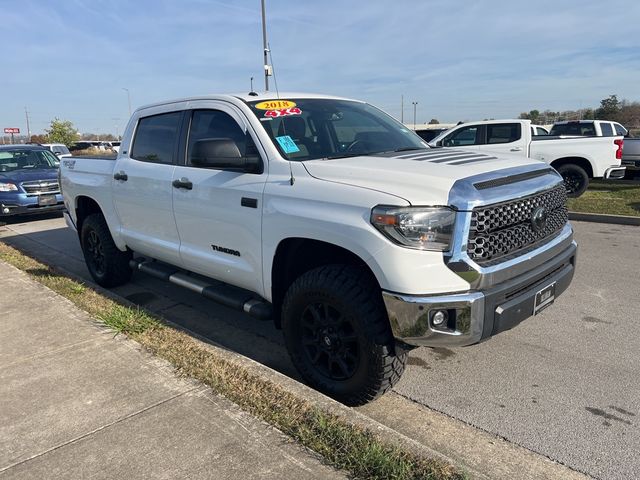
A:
x: 182, y: 183
x: 516, y: 149
x: 120, y: 176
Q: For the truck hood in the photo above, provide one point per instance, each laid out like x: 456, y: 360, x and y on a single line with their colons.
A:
x: 18, y: 176
x: 420, y: 178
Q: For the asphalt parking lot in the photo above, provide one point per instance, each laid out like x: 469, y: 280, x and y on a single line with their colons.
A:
x: 563, y: 384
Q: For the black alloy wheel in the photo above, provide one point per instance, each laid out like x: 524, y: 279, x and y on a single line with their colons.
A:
x: 338, y: 334
x: 95, y: 253
x: 108, y: 265
x: 329, y: 341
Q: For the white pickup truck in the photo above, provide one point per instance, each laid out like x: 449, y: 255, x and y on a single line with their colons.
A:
x: 577, y: 159
x: 333, y: 219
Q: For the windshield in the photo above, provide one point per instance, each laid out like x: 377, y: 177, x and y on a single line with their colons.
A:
x: 23, y: 159
x: 305, y: 129
x: 61, y: 149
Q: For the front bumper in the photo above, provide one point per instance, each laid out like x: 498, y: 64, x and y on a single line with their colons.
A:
x: 614, y: 172
x: 21, y: 204
x: 477, y: 315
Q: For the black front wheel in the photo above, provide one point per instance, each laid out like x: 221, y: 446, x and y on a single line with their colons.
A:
x: 108, y: 265
x: 337, y: 333
x: 576, y: 179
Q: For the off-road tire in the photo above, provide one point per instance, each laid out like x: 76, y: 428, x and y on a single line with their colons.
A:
x: 576, y: 179
x: 347, y: 292
x: 108, y: 265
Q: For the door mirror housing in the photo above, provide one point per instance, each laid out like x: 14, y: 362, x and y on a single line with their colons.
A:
x: 223, y: 154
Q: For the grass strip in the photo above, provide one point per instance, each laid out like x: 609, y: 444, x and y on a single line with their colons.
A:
x: 613, y: 197
x: 360, y: 452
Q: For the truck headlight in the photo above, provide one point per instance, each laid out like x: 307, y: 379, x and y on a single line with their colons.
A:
x: 8, y: 187
x: 423, y: 228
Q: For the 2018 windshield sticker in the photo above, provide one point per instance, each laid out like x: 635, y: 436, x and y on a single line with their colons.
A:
x: 287, y: 144
x: 283, y: 112
x: 275, y: 105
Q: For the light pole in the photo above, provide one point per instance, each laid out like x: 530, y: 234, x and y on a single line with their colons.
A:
x: 415, y: 104
x: 128, y: 99
x: 267, y: 68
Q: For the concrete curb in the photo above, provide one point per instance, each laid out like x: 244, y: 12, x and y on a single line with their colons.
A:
x: 604, y: 218
x: 294, y: 387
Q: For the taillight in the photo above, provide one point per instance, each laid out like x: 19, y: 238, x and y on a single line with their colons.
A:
x: 620, y: 144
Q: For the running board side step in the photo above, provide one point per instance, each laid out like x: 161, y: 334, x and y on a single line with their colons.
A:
x: 225, y: 294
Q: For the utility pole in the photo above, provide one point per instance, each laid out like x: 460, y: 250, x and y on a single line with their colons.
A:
x: 26, y: 113
x: 415, y: 104
x: 401, y: 108
x: 128, y: 99
x: 267, y: 67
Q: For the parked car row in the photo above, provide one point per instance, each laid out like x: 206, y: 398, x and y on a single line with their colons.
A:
x: 576, y: 158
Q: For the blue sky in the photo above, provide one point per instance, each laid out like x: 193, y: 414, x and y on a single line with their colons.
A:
x: 461, y: 60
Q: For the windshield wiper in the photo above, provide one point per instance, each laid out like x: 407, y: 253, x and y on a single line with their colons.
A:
x: 408, y: 149
x: 346, y: 155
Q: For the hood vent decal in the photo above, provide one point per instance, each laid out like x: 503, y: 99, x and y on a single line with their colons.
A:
x: 450, y: 157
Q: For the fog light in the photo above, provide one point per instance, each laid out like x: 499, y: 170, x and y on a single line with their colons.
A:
x: 5, y: 210
x: 439, y: 318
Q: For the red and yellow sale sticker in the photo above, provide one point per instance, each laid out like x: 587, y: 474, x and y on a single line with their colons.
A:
x: 283, y: 112
x: 275, y: 105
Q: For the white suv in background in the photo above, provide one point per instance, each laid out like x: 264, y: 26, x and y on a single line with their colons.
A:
x: 60, y: 150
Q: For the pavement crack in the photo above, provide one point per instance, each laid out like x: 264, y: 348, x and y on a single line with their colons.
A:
x: 99, y: 429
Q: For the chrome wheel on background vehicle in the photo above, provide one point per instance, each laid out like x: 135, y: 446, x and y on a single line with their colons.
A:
x: 338, y: 335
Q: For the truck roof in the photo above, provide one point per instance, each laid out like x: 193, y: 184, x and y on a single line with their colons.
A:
x: 248, y: 97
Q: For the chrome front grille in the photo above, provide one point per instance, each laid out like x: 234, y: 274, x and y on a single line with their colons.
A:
x: 39, y: 187
x: 506, y: 229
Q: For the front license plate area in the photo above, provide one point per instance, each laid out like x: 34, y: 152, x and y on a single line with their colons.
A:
x: 46, y: 200
x: 544, y: 298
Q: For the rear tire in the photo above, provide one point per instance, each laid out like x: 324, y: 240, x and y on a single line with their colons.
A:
x: 338, y: 336
x: 108, y: 265
x: 576, y: 179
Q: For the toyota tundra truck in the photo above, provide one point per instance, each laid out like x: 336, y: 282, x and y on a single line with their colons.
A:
x: 332, y: 219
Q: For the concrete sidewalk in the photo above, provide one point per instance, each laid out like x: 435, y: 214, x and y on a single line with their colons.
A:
x: 75, y: 402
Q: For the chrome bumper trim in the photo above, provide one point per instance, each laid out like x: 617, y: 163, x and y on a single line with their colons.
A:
x: 615, y: 172
x: 478, y: 314
x: 409, y: 318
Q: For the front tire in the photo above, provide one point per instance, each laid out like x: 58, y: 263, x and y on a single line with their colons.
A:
x: 576, y: 179
x: 338, y: 335
x: 108, y: 265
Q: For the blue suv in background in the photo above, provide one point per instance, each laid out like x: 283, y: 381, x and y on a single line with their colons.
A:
x: 28, y: 180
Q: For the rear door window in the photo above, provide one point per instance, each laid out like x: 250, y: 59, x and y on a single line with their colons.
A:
x: 156, y: 138
x: 503, y: 133
x: 607, y: 129
x: 620, y: 130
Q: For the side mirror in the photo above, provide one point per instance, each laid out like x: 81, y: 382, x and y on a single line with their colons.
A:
x: 223, y: 154
x: 57, y: 154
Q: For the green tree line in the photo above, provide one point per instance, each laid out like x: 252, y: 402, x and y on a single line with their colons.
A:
x: 611, y: 108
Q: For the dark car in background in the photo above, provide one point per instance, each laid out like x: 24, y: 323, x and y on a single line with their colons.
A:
x: 28, y: 180
x: 428, y: 134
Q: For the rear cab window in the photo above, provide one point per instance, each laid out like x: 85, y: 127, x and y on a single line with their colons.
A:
x: 156, y: 138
